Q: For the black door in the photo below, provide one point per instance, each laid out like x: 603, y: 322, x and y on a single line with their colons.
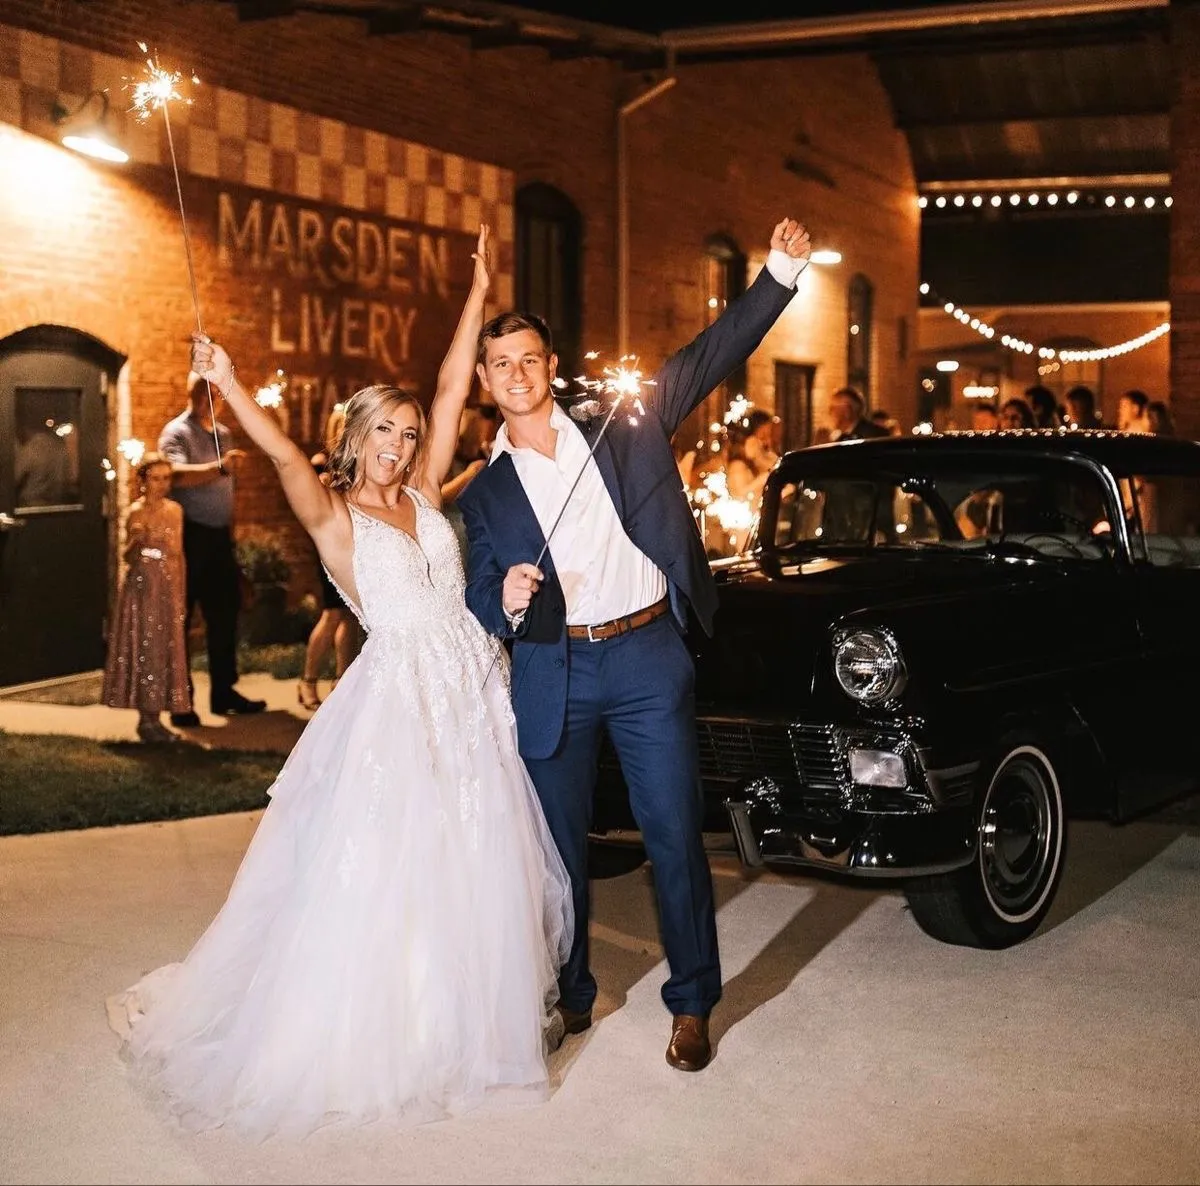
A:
x: 53, y: 530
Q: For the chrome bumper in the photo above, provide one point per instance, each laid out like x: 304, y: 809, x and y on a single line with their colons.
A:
x: 859, y: 843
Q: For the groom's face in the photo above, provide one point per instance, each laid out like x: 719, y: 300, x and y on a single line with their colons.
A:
x: 517, y: 372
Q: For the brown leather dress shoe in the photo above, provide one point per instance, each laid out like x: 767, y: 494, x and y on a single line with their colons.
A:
x: 689, y: 1048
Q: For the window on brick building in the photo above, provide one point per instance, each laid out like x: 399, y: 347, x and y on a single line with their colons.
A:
x: 549, y: 265
x: 860, y: 312
x: 724, y: 281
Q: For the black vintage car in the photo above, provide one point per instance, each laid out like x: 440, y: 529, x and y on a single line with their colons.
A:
x: 937, y: 650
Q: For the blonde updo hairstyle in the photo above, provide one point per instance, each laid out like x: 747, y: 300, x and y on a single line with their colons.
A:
x: 365, y: 410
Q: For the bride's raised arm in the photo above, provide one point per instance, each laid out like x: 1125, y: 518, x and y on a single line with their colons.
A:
x: 309, y: 498
x: 454, y: 380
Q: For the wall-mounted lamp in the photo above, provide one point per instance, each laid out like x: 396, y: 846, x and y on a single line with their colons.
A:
x: 826, y: 257
x: 84, y: 129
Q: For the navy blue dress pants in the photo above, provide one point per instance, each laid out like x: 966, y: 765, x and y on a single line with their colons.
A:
x: 640, y: 687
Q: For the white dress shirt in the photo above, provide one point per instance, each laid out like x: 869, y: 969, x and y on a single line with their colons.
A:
x: 603, y: 573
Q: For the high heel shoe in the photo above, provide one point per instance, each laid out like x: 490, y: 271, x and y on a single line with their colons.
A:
x: 306, y: 694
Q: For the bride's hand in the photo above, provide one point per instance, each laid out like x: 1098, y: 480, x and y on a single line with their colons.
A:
x: 483, y: 276
x: 210, y: 361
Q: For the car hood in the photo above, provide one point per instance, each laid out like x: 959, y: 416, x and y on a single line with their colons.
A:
x: 771, y: 643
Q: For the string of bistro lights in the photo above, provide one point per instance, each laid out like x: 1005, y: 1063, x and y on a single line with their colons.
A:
x: 1036, y: 198
x: 1020, y: 346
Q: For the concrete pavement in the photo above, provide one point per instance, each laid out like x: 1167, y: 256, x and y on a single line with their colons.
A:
x: 275, y: 730
x: 850, y: 1047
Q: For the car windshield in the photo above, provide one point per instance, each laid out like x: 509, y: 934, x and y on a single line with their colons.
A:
x: 1055, y: 510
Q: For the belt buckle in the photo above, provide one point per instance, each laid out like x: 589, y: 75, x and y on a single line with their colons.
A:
x: 589, y: 635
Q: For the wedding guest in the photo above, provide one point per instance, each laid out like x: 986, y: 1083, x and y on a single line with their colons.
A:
x: 336, y: 628
x: 1046, y: 412
x: 203, y: 486
x: 847, y: 410
x: 1158, y: 419
x: 1016, y: 413
x: 1131, y: 411
x: 1081, y: 408
x: 475, y: 436
x: 146, y: 666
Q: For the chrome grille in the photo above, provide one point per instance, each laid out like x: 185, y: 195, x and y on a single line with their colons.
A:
x: 734, y: 748
x: 744, y: 749
x: 817, y: 756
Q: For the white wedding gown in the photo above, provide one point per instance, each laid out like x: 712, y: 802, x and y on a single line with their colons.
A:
x: 390, y: 945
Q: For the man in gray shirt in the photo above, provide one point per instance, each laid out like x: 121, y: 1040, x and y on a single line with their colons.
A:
x: 203, y: 485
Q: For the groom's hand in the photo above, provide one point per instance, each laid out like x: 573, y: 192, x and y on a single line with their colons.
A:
x: 521, y: 582
x: 792, y: 238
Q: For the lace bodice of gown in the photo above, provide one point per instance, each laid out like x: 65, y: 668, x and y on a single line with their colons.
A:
x: 405, y: 582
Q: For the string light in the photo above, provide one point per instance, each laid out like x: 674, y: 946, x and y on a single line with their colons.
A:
x: 1035, y: 197
x: 1049, y: 353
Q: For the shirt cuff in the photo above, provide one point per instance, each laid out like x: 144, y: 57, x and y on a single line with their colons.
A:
x: 784, y: 268
x: 514, y: 620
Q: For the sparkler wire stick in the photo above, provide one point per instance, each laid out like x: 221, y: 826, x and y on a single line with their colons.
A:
x: 561, y: 511
x: 157, y: 90
x: 187, y: 246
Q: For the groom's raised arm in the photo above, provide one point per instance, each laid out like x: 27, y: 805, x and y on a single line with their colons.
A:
x: 693, y: 371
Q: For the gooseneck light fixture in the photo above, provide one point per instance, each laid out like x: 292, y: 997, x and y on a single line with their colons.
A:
x: 84, y: 129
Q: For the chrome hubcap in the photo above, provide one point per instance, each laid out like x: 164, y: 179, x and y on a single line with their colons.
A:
x: 1018, y: 836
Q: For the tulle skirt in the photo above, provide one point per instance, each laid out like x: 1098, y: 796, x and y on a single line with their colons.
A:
x: 390, y: 945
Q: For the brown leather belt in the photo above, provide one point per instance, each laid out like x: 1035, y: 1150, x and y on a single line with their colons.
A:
x: 634, y: 621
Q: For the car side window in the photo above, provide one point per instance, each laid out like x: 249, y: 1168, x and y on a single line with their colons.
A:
x: 1163, y: 512
x: 838, y: 511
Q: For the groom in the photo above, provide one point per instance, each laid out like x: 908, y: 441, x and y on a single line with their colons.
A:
x: 598, y: 628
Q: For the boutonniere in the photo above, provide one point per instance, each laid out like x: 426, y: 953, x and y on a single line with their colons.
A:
x: 585, y: 410
x: 600, y: 396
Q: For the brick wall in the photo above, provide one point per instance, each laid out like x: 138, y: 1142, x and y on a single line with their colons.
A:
x: 729, y: 149
x: 1185, y: 244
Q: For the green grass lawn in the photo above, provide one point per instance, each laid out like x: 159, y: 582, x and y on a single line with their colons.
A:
x: 50, y: 784
x: 283, y: 660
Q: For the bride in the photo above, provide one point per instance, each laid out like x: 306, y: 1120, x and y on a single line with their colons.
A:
x: 390, y: 945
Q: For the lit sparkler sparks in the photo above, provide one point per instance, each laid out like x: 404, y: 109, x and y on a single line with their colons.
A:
x: 157, y: 90
x: 132, y: 449
x: 738, y: 411
x: 270, y: 395
x: 619, y: 383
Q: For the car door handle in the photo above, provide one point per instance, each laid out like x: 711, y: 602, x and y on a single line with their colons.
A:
x: 8, y: 523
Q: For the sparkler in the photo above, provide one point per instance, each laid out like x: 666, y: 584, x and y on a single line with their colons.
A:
x: 156, y: 91
x: 620, y: 382
x: 132, y: 449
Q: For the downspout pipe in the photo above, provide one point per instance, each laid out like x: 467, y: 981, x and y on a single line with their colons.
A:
x: 623, y: 113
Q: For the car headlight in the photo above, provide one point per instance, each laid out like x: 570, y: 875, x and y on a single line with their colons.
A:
x: 868, y: 665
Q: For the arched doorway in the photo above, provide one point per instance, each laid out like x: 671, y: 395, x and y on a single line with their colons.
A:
x: 54, y: 384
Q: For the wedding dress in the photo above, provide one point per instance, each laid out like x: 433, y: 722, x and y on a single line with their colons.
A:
x: 390, y: 945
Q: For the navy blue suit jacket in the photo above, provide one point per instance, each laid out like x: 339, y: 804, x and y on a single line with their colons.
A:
x: 642, y: 478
